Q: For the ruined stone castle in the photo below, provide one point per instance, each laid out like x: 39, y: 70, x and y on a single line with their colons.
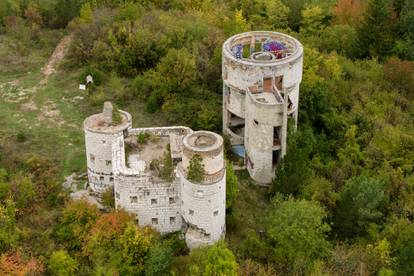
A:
x: 261, y: 74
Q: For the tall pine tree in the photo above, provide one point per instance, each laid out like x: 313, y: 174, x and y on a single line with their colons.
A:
x: 375, y: 36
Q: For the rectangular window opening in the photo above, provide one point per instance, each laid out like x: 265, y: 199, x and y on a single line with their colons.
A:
x: 267, y: 84
x: 279, y: 82
x: 134, y: 199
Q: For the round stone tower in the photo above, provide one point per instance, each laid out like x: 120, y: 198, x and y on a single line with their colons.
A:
x: 100, y: 131
x: 203, y: 203
x: 261, y: 73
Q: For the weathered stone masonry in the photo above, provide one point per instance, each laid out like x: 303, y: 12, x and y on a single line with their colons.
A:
x: 198, y: 209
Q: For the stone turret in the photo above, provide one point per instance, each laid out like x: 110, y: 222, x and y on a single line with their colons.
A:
x: 99, y: 136
x: 261, y: 74
x: 204, y: 203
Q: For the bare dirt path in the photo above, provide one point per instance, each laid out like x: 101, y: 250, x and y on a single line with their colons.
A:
x: 49, y: 109
x: 56, y: 58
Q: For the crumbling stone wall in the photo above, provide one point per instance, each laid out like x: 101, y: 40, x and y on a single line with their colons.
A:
x: 154, y: 201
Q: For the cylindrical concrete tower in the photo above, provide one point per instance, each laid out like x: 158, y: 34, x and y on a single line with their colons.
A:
x: 262, y: 72
x: 100, y: 132
x: 203, y: 204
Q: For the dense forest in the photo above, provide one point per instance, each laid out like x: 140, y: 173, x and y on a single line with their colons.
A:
x: 342, y: 202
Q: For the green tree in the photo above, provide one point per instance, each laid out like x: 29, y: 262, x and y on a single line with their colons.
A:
x: 277, y: 13
x: 292, y: 172
x: 135, y: 243
x: 295, y: 12
x: 297, y: 232
x: 159, y: 261
x: 207, y: 118
x: 116, y: 116
x: 220, y: 261
x: 235, y: 23
x: 9, y: 233
x: 167, y: 168
x: 77, y: 219
x: 212, y: 260
x: 86, y: 13
x: 22, y: 191
x: 8, y: 8
x: 404, y: 251
x: 321, y: 190
x: 312, y: 19
x: 375, y: 32
x: 19, y: 188
x: 362, y: 202
x: 404, y: 46
x: 339, y: 38
x: 350, y: 156
x: 232, y: 185
x: 196, y: 169
x: 268, y: 14
x: 62, y: 264
x: 174, y: 76
x: 64, y: 11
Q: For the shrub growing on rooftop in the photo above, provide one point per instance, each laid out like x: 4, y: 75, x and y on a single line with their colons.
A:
x: 195, y: 169
x: 116, y: 116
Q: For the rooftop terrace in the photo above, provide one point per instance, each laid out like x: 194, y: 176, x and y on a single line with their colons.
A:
x: 262, y: 47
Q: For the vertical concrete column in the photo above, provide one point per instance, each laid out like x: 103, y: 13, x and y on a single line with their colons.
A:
x: 252, y: 45
x: 225, y: 115
x: 284, y: 121
x: 100, y: 133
